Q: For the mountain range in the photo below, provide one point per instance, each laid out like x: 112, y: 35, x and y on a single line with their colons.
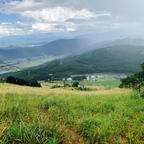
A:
x: 121, y: 56
x: 59, y: 48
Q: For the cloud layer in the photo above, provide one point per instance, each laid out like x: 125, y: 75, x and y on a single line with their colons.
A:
x: 44, y: 16
x: 71, y: 16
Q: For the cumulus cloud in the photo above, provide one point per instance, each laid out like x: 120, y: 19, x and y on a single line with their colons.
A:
x: 60, y: 14
x: 9, y: 29
x: 53, y: 27
x: 49, y: 16
x: 57, y: 19
x: 20, y: 6
x: 43, y: 27
x: 76, y: 16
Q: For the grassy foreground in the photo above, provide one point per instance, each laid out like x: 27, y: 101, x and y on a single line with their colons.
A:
x: 64, y: 116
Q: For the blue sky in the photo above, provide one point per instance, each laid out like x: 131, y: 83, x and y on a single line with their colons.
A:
x: 111, y: 18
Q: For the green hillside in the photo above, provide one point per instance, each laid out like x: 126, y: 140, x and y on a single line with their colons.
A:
x: 64, y: 116
x: 115, y: 59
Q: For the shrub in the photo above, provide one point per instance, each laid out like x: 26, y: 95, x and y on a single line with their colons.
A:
x: 75, y: 84
x: 11, y: 79
x: 68, y: 85
x: 135, y: 81
x: 35, y: 84
x: 142, y: 93
x: 83, y: 89
x: 55, y: 86
x: 135, y: 95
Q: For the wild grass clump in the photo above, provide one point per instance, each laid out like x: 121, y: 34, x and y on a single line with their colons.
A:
x: 32, y: 133
x: 86, y: 127
x: 138, y: 94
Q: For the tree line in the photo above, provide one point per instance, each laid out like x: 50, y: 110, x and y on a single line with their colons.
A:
x: 135, y: 81
x: 22, y: 82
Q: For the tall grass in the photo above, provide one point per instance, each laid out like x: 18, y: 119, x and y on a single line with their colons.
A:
x: 54, y: 116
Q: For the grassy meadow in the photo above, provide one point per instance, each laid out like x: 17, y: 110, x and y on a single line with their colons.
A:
x: 107, y: 82
x: 67, y: 116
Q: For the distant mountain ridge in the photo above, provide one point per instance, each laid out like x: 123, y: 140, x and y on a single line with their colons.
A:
x: 63, y: 47
x: 81, y: 57
x: 111, y: 59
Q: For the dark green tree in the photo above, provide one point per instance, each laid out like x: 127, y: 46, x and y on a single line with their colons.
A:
x: 135, y: 81
x: 22, y: 82
x: 75, y: 84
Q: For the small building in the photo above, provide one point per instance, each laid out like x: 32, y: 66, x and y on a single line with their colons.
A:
x: 69, y: 79
x: 63, y: 79
x: 88, y: 78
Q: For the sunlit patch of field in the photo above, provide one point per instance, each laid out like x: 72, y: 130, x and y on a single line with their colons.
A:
x: 53, y: 116
x: 107, y: 82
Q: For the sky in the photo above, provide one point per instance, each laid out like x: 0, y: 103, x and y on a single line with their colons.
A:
x: 95, y: 18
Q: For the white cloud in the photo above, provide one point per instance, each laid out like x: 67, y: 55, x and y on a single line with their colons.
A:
x: 8, y: 29
x: 17, y: 6
x: 41, y: 10
x: 60, y: 14
x: 40, y: 16
x: 43, y: 27
x: 20, y: 6
x: 57, y: 19
x: 46, y: 27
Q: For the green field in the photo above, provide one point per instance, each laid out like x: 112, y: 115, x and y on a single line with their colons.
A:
x: 65, y: 116
x: 107, y: 82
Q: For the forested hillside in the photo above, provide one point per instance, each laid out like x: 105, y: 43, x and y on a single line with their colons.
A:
x: 115, y: 59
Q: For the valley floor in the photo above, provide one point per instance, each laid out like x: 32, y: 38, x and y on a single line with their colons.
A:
x: 67, y: 116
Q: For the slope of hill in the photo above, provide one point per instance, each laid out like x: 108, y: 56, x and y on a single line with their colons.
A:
x: 17, y: 58
x: 128, y: 41
x: 119, y: 42
x: 115, y: 59
x: 64, y: 116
